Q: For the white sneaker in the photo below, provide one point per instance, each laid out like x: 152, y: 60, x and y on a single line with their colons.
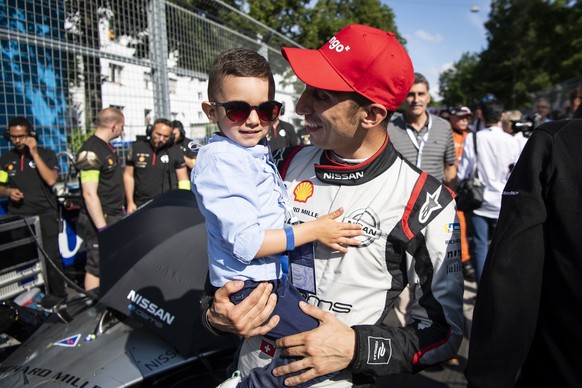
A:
x: 232, y: 382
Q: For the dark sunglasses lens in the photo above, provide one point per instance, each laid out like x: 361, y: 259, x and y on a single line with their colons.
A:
x: 237, y: 110
x: 268, y: 111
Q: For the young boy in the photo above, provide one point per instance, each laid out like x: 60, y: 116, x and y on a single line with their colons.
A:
x: 243, y: 198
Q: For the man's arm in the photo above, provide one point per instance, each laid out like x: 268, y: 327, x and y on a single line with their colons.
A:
x: 451, y: 176
x: 47, y: 175
x: 189, y: 162
x: 247, y: 317
x: 430, y: 338
x: 129, y: 184
x: 183, y: 179
x: 92, y: 201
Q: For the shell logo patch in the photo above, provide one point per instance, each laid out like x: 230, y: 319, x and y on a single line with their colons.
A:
x: 303, y: 191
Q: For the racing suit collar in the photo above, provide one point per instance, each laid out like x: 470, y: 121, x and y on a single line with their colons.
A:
x: 332, y: 170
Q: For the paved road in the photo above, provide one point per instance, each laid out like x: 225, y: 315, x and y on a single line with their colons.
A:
x: 445, y: 375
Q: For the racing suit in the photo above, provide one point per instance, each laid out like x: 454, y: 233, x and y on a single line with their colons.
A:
x: 411, y: 237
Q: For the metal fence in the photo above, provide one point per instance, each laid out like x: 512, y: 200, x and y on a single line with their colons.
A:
x: 64, y: 60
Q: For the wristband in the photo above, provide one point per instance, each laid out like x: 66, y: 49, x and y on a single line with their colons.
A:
x: 101, y: 229
x: 290, y: 238
x: 184, y: 185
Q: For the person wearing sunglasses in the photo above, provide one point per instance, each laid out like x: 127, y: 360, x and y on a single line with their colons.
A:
x: 411, y: 239
x: 244, y: 201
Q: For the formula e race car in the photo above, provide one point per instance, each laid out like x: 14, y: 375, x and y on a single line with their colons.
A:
x: 142, y: 328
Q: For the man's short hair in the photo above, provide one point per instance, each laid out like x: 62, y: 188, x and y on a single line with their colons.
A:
x: 492, y: 111
x: 421, y: 79
x: 239, y: 62
x: 108, y: 117
x: 20, y: 121
x: 162, y: 121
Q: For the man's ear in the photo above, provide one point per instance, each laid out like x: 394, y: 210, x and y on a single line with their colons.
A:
x: 210, y: 111
x: 375, y: 114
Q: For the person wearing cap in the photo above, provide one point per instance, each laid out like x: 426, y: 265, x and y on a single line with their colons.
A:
x: 460, y: 117
x: 251, y: 227
x: 354, y: 83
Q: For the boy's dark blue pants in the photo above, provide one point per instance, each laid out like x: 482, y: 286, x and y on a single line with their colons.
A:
x: 293, y: 320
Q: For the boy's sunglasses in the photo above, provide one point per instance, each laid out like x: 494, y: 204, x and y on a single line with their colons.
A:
x: 238, y: 111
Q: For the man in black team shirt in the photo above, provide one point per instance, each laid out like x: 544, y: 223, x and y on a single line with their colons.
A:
x: 27, y: 173
x: 154, y: 166
x: 101, y: 179
x: 188, y: 146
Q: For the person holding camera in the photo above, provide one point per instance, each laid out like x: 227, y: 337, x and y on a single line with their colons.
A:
x: 153, y: 166
x: 495, y: 155
x: 27, y: 174
x: 514, y: 123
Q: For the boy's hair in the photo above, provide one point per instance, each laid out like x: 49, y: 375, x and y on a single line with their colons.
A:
x: 238, y: 62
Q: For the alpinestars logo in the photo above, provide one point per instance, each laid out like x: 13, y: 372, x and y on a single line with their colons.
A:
x: 430, y: 205
x: 370, y: 223
x: 379, y: 350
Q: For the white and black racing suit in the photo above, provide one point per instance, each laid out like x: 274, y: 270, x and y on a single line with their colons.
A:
x: 411, y: 237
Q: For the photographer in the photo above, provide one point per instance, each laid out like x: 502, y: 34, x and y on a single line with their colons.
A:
x: 514, y: 123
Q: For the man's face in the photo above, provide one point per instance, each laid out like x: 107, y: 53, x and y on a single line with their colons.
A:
x: 19, y: 137
x: 542, y: 108
x: 254, y: 91
x: 119, y: 127
x: 460, y: 123
x: 160, y: 135
x: 177, y: 134
x: 416, y: 101
x: 330, y: 120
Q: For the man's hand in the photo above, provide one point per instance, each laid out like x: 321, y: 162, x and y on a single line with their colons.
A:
x: 16, y: 195
x: 326, y: 349
x: 247, y: 317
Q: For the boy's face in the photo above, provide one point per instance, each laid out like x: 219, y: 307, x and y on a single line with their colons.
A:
x: 254, y: 91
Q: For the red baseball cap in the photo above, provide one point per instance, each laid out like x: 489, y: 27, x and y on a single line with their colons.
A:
x: 358, y: 59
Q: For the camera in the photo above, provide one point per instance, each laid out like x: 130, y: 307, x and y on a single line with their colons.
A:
x: 526, y: 125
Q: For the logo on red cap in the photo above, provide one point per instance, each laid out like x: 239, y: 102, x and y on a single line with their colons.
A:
x: 377, y: 66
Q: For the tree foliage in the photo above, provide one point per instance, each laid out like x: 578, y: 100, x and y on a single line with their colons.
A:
x: 532, y: 45
x: 312, y: 23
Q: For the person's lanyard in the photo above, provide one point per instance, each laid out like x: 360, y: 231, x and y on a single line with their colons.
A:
x: 419, y: 142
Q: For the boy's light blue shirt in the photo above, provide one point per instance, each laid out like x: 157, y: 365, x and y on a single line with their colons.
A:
x: 240, y: 195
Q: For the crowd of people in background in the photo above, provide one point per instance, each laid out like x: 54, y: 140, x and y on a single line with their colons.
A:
x: 358, y: 126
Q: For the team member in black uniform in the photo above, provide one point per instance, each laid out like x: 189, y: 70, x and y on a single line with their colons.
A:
x: 101, y: 179
x: 154, y: 166
x: 527, y: 319
x: 281, y: 135
x: 188, y: 146
x: 27, y: 174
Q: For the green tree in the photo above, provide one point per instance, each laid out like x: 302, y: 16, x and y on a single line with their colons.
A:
x: 532, y: 45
